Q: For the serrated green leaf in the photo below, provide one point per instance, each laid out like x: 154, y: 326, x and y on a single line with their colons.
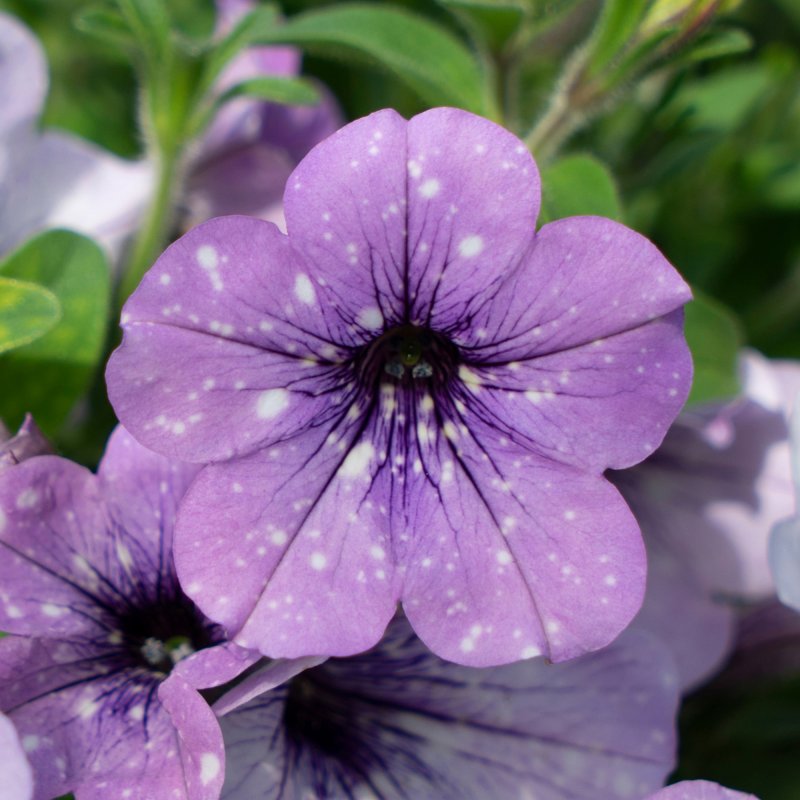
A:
x: 49, y: 375
x: 27, y: 312
x: 291, y: 91
x: 578, y: 184
x: 715, y: 338
x: 427, y: 57
x: 496, y: 20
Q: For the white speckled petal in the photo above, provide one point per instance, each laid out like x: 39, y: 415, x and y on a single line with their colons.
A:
x: 416, y: 726
x: 271, y: 546
x: 699, y: 790
x: 233, y: 295
x: 515, y: 557
x: 17, y: 783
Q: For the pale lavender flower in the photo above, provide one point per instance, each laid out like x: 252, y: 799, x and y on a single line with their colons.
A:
x: 411, y: 398
x: 699, y: 790
x: 706, y: 501
x: 100, y: 675
x: 397, y: 722
x: 785, y: 541
x: 52, y: 179
x: 17, y: 780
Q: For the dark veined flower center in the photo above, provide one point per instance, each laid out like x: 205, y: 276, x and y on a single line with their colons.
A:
x: 409, y: 356
x: 318, y: 717
x: 158, y: 634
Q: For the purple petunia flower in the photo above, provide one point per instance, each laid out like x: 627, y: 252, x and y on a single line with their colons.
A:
x: 243, y: 160
x: 706, y: 501
x: 397, y: 722
x: 17, y: 780
x: 52, y: 179
x: 412, y: 398
x: 99, y: 677
x: 699, y: 790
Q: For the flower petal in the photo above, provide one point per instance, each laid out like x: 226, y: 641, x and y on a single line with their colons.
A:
x: 14, y: 767
x: 23, y: 76
x: 58, y: 180
x: 54, y: 570
x: 301, y: 528
x: 420, y: 727
x: 225, y: 346
x: 84, y: 730
x: 784, y: 557
x: 515, y: 557
x: 423, y: 235
x: 699, y: 790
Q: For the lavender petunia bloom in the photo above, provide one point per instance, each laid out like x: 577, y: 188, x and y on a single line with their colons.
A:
x: 411, y: 398
x: 100, y: 677
x: 243, y: 160
x: 706, y: 501
x: 27, y: 442
x: 397, y: 722
x: 52, y: 179
x: 16, y: 782
x: 784, y: 547
x: 699, y: 790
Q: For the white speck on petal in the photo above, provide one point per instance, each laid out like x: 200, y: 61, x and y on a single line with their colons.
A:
x: 318, y: 561
x: 357, y: 460
x: 430, y: 188
x: 304, y: 289
x: 271, y: 403
x: 370, y: 318
x: 209, y: 768
x: 470, y: 246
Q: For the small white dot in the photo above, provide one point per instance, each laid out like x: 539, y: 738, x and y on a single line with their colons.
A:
x: 318, y: 561
x: 470, y: 246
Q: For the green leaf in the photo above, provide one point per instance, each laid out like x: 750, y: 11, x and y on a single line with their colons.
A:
x: 615, y: 28
x: 49, y: 375
x: 430, y: 60
x: 715, y: 338
x: 27, y: 312
x: 105, y: 25
x: 719, y: 43
x: 496, y: 20
x: 578, y: 184
x: 291, y: 91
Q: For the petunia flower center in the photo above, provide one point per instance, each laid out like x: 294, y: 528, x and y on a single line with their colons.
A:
x: 157, y: 635
x: 318, y: 717
x: 410, y: 356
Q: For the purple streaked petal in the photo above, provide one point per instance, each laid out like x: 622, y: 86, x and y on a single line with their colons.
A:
x: 403, y: 723
x: 17, y: 783
x: 515, y: 557
x: 259, y: 347
x: 295, y: 547
x: 54, y: 564
x: 23, y: 76
x: 77, y: 721
x: 142, y: 491
x: 419, y: 228
x: 699, y: 790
